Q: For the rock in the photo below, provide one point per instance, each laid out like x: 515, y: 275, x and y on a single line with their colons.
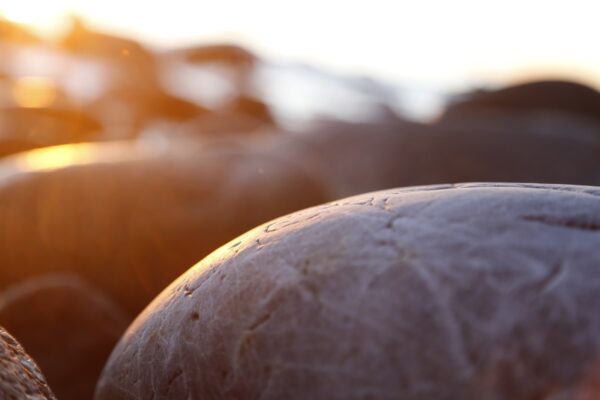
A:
x: 499, y: 152
x: 224, y: 53
x: 352, y: 158
x: 545, y: 132
x: 127, y: 216
x: 135, y: 108
x: 475, y: 291
x: 357, y: 158
x: 20, y: 378
x: 29, y: 128
x: 540, y: 110
x: 68, y: 327
x: 551, y: 95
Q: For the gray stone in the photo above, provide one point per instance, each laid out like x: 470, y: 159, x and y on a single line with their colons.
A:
x: 449, y: 292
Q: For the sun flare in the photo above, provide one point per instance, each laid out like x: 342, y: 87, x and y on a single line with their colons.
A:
x: 39, y: 15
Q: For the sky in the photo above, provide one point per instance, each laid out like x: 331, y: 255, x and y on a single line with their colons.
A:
x: 432, y: 43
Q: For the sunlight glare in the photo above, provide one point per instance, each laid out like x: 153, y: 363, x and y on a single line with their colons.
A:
x: 34, y: 92
x: 66, y: 155
x: 42, y: 16
x: 55, y: 157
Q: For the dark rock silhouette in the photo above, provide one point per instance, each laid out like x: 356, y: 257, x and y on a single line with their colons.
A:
x: 229, y: 54
x: 550, y: 96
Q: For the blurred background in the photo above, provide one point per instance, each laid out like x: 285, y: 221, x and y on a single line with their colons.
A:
x: 412, y: 54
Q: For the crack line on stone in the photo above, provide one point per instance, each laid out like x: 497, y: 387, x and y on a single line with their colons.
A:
x: 592, y: 226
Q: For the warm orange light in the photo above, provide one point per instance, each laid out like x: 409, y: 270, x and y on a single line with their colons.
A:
x: 32, y: 12
x: 84, y: 153
x: 34, y: 92
x: 55, y: 157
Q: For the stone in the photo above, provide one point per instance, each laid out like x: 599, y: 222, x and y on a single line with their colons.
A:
x: 20, y: 377
x: 126, y: 217
x: 68, y: 326
x: 352, y: 158
x: 359, y: 158
x: 545, y: 95
x: 30, y: 128
x: 473, y: 291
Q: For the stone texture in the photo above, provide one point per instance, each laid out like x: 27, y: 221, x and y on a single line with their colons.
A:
x: 449, y: 292
x: 67, y: 326
x: 127, y: 216
x: 20, y: 378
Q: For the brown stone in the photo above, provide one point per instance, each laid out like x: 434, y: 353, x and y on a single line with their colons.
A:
x: 68, y: 327
x: 475, y: 291
x: 127, y: 217
x: 20, y: 378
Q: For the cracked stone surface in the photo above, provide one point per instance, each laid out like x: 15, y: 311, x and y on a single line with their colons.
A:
x: 130, y: 218
x: 68, y: 326
x: 20, y: 378
x: 449, y: 292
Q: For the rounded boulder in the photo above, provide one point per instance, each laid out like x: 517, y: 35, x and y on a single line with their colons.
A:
x: 127, y: 216
x: 475, y: 291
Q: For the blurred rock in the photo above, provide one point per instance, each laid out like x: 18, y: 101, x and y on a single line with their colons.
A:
x: 504, y: 153
x: 127, y: 216
x: 20, y: 378
x: 85, y: 41
x: 229, y: 54
x: 352, y: 158
x: 239, y: 60
x: 135, y: 110
x: 483, y: 144
x: 11, y: 32
x: 29, y: 128
x: 134, y: 96
x: 544, y: 96
x: 68, y: 326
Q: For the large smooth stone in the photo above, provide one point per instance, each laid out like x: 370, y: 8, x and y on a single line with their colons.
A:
x: 475, y: 291
x: 20, y: 378
x: 131, y: 217
x: 67, y: 326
